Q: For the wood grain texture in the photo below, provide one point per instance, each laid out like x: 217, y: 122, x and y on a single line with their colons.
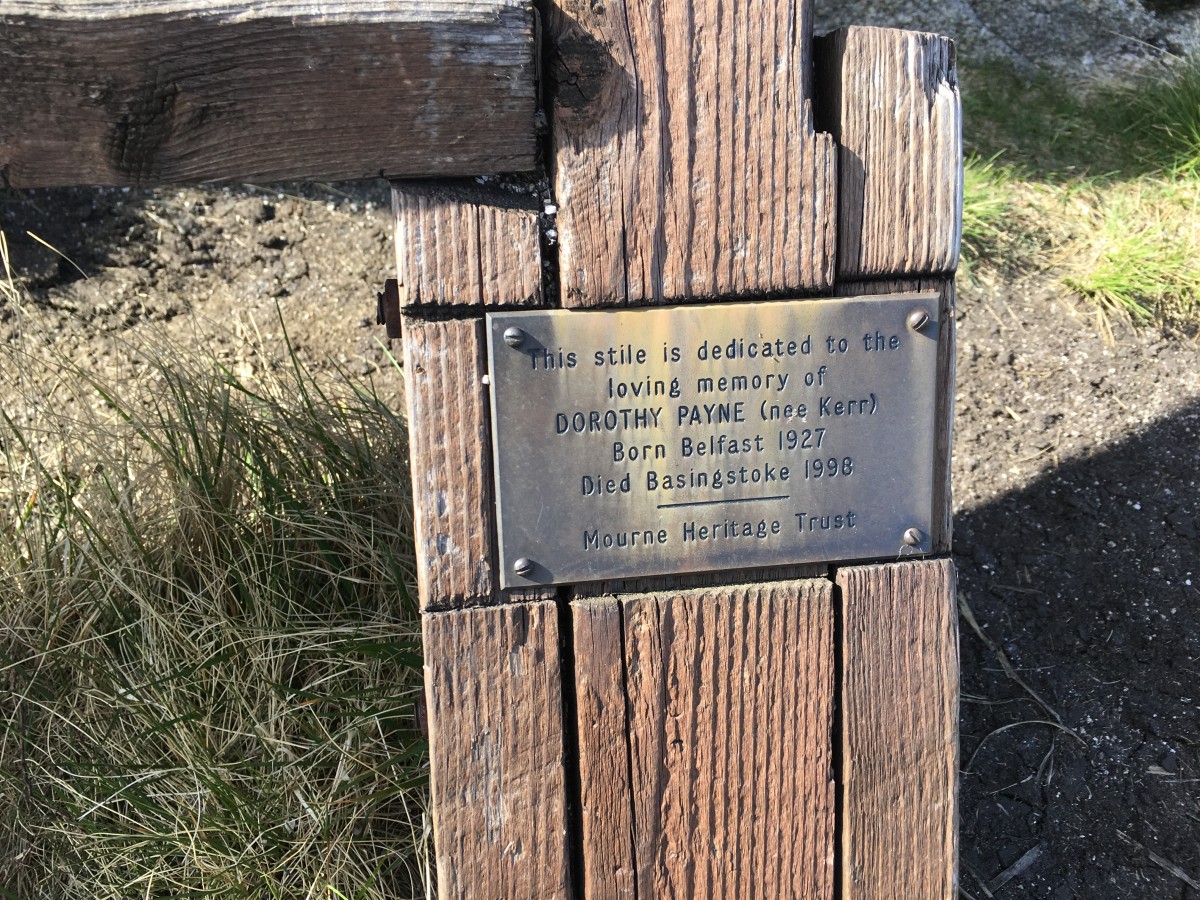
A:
x: 123, y: 93
x: 450, y: 450
x: 685, y: 162
x: 943, y: 499
x: 726, y: 578
x: 492, y: 683
x: 457, y: 245
x: 728, y: 699
x: 891, y: 100
x: 606, y: 802
x: 900, y: 731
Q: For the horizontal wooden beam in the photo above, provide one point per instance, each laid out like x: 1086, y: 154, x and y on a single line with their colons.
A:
x: 100, y: 92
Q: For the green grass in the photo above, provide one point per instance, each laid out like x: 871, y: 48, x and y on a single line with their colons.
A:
x: 1034, y: 124
x: 988, y: 206
x: 1057, y: 132
x: 1163, y: 119
x: 1138, y: 252
x: 209, y: 657
x: 1099, y: 183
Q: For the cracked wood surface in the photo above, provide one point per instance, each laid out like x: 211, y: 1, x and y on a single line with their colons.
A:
x: 113, y: 93
x: 899, y: 759
x: 460, y: 245
x: 496, y: 752
x: 705, y: 742
x: 685, y: 163
x: 891, y: 99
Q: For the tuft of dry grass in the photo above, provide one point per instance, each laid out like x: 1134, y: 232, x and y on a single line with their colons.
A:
x: 1136, y: 250
x: 209, y: 657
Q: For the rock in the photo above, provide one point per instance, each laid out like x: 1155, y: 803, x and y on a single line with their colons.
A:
x: 1061, y: 35
x: 1170, y: 762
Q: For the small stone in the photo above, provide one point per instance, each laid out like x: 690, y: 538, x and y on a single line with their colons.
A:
x: 1169, y: 762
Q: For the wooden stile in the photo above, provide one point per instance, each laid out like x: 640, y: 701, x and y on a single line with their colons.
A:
x: 703, y: 708
x: 106, y: 92
x: 686, y: 167
x: 899, y: 760
x: 458, y: 245
x: 496, y: 752
x: 685, y: 162
x: 727, y: 697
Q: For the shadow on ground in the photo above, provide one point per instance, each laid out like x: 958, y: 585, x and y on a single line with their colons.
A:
x: 1082, y: 765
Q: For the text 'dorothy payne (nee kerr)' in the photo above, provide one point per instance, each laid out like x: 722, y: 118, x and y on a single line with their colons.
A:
x: 684, y: 439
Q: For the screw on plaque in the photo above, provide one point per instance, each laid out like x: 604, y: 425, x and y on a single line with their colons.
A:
x: 523, y: 567
x: 914, y: 537
x: 918, y: 320
x: 514, y: 336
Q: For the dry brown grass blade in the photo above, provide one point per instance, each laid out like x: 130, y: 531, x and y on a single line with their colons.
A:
x: 207, y: 653
x: 979, y: 880
x: 1019, y: 868
x: 1012, y: 725
x: 968, y: 614
x: 1165, y: 864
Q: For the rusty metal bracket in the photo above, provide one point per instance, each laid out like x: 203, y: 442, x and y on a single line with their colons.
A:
x: 387, y: 308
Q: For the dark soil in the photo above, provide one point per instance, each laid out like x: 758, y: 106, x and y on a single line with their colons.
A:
x: 1077, y: 539
x: 1077, y: 477
x: 1168, y: 6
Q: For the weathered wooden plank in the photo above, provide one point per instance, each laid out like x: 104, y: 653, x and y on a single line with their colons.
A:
x: 943, y: 500
x: 685, y: 162
x: 725, y: 578
x: 891, y: 99
x: 492, y: 682
x: 899, y: 731
x: 450, y: 449
x: 106, y: 92
x: 606, y: 804
x: 460, y: 245
x: 728, y: 696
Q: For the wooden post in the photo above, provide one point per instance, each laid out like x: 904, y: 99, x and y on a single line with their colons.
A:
x: 685, y: 161
x: 496, y: 751
x: 704, y: 720
x: 893, y: 105
x: 773, y: 731
x: 493, y: 660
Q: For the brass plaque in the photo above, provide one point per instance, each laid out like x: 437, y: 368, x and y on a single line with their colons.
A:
x: 696, y: 438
